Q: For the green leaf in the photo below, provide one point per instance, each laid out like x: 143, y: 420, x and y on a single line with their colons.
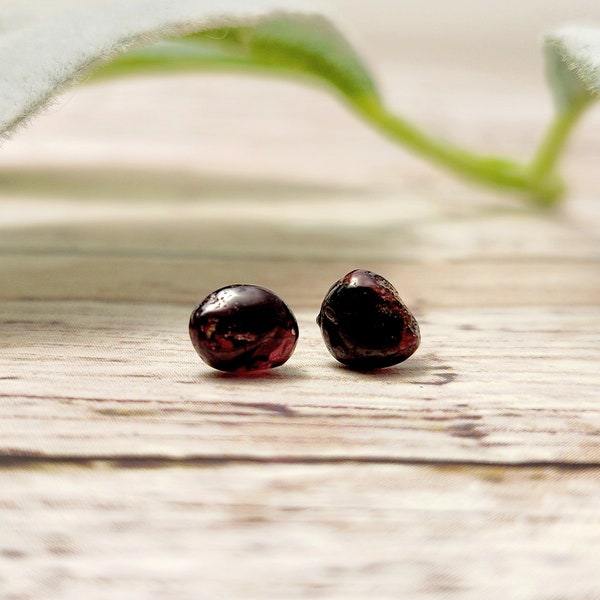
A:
x: 295, y: 44
x: 47, y: 46
x: 573, y: 65
x: 573, y: 70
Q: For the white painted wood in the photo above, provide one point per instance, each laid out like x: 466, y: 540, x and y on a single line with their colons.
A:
x: 517, y: 384
x: 299, y: 531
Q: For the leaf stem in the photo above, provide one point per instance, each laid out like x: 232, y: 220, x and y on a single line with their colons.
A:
x: 554, y: 141
x: 536, y: 181
x: 544, y: 188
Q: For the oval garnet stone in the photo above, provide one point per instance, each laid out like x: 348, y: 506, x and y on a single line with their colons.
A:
x: 243, y: 328
x: 365, y: 324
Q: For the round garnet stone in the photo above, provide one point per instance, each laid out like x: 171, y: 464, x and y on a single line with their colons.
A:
x: 243, y: 328
x: 365, y: 324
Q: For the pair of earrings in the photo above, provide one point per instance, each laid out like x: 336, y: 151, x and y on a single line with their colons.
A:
x: 364, y: 323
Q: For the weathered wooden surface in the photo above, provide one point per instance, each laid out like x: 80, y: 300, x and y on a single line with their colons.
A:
x: 128, y: 469
x: 111, y: 380
x: 299, y: 531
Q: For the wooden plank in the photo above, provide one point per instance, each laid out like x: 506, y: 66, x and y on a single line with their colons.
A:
x: 299, y: 531
x: 252, y: 218
x: 303, y: 284
x: 109, y: 379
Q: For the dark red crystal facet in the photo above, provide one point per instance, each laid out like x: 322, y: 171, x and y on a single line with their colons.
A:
x: 243, y: 328
x: 365, y: 324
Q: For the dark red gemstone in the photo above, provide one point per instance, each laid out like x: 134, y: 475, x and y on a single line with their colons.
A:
x: 365, y: 324
x: 243, y: 328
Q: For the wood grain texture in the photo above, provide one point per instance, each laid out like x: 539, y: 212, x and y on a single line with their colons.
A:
x: 303, y: 531
x: 128, y: 469
x: 139, y: 280
x: 508, y: 385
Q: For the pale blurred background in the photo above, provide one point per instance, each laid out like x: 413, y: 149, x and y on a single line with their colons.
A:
x: 227, y: 165
x: 466, y: 69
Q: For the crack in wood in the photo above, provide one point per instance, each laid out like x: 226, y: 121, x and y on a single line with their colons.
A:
x: 21, y: 460
x: 270, y: 407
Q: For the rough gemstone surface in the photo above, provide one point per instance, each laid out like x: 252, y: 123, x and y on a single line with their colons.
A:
x: 365, y: 324
x: 243, y: 328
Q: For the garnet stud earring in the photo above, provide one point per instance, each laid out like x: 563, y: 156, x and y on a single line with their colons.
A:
x: 243, y: 328
x: 365, y: 324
